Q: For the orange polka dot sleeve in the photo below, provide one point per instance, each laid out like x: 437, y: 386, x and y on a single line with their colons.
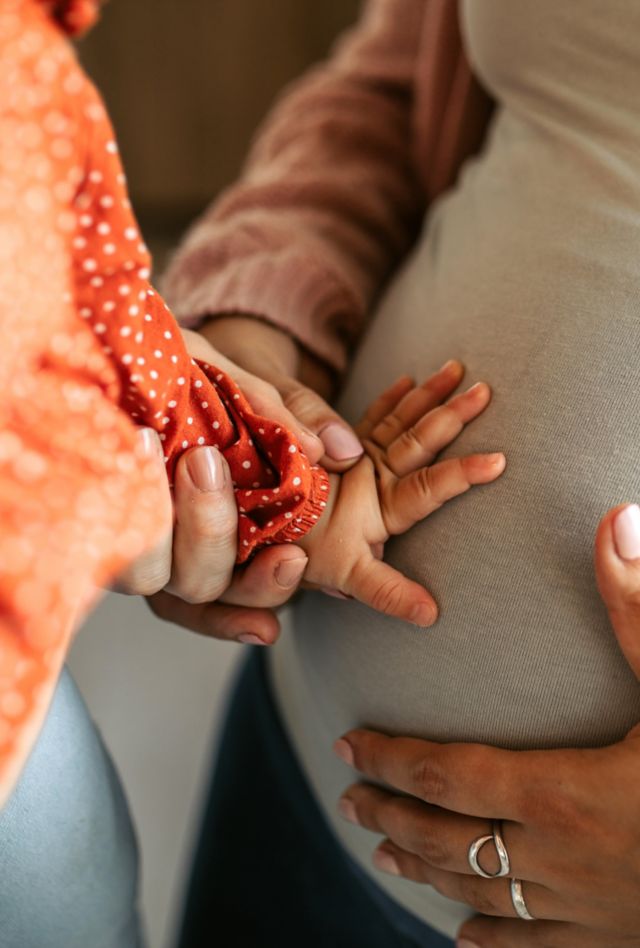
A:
x: 88, y: 350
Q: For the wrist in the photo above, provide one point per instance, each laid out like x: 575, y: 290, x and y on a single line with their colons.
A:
x: 254, y: 344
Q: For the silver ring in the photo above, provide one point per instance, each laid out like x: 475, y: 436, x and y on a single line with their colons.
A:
x: 519, y: 903
x: 501, y: 850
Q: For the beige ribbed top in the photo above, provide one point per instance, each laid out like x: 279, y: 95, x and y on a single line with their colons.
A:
x: 530, y: 273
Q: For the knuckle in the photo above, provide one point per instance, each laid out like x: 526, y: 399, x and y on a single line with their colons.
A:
x: 211, y: 524
x: 146, y: 580
x: 299, y: 401
x: 387, y: 596
x: 194, y: 590
x: 410, y: 439
x: 424, y: 482
x: 480, y: 897
x: 430, y: 780
x: 387, y: 428
x: 434, y: 850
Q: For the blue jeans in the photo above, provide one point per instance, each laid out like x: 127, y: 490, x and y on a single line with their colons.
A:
x: 269, y: 873
x: 68, y: 856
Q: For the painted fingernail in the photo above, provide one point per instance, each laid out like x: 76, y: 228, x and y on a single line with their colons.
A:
x: 344, y: 751
x: 424, y: 615
x: 465, y: 943
x: 206, y: 469
x: 347, y: 810
x: 386, y: 862
x: 340, y: 443
x: 289, y: 572
x: 150, y: 444
x: 626, y: 532
x: 248, y: 638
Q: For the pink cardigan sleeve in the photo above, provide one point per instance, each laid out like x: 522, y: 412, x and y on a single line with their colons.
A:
x: 329, y: 200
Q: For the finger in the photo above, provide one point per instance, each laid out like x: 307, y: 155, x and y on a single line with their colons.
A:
x: 214, y: 620
x: 151, y: 572
x: 417, y: 403
x: 341, y: 445
x: 378, y: 585
x: 263, y: 396
x: 436, y: 836
x: 280, y: 405
x: 420, y: 443
x: 384, y: 404
x: 487, y: 896
x: 270, y: 579
x: 473, y: 779
x: 509, y: 933
x: 415, y: 496
x: 205, y: 534
x: 617, y: 561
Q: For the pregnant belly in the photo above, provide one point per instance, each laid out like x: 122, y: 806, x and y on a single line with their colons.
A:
x: 540, y: 298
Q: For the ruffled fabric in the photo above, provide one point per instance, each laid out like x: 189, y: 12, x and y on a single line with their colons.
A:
x: 74, y: 16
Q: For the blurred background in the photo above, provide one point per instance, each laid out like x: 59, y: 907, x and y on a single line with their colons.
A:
x: 186, y: 82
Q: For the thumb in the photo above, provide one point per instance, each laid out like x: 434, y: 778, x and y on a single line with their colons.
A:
x: 342, y: 447
x: 617, y: 562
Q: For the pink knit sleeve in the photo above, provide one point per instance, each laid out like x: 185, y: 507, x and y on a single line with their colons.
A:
x: 329, y: 200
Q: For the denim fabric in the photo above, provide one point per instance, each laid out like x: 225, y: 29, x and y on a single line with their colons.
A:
x: 268, y: 871
x: 68, y: 855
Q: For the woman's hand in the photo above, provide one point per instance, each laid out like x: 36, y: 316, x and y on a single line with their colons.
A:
x: 194, y: 565
x: 571, y: 818
x: 297, y: 378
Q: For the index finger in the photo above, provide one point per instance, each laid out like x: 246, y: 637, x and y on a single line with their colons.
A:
x: 473, y: 779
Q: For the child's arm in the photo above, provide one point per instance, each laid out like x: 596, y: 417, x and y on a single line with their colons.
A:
x: 393, y: 487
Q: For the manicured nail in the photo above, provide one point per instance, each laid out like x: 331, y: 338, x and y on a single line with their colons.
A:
x: 206, y: 469
x: 247, y: 638
x: 424, y: 615
x: 386, y: 862
x: 465, y: 943
x: 150, y: 444
x: 626, y: 532
x: 343, y: 750
x: 347, y: 810
x: 340, y: 443
x: 289, y: 572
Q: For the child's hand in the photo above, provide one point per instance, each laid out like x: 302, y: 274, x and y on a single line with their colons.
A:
x: 393, y: 487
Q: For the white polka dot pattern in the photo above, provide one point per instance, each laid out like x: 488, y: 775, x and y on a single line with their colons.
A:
x: 87, y: 346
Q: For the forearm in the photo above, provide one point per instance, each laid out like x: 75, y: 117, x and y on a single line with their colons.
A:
x: 329, y: 200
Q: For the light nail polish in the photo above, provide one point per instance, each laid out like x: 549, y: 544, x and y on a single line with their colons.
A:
x: 248, y: 638
x: 347, y: 810
x: 149, y: 442
x: 340, y: 443
x: 206, y: 469
x: 386, y: 862
x: 289, y: 572
x: 626, y: 533
x: 343, y: 750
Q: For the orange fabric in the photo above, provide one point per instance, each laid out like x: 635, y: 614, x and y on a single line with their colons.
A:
x: 87, y: 347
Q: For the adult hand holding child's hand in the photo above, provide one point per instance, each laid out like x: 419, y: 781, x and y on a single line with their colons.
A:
x: 194, y: 564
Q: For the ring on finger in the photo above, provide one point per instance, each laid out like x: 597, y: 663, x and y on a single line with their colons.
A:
x: 501, y: 851
x: 519, y: 904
